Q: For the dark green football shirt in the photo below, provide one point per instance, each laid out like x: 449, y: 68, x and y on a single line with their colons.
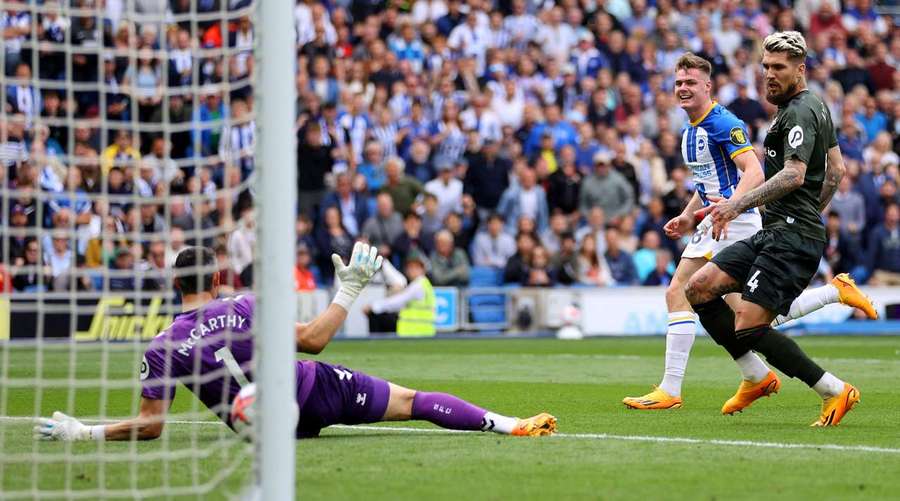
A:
x: 802, y: 130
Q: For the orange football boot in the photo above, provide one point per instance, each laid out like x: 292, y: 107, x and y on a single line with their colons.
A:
x: 748, y: 392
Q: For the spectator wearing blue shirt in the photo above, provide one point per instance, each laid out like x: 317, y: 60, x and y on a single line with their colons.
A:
x: 562, y: 131
x: 453, y: 18
x: 872, y: 120
x: 526, y: 198
x: 850, y: 140
x: 645, y: 257
x: 585, y: 57
x: 487, y: 177
x: 620, y: 263
x: 412, y: 128
x: 321, y: 83
x: 74, y: 199
x: 586, y: 148
x: 408, y: 47
x: 660, y: 274
x: 884, y: 248
x: 207, y: 125
x: 372, y: 167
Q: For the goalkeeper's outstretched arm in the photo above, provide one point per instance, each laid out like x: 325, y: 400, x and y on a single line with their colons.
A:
x: 148, y: 425
x: 312, y: 337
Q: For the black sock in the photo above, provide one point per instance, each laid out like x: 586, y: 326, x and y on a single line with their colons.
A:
x: 718, y: 320
x: 783, y: 353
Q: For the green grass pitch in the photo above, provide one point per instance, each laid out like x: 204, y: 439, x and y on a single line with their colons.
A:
x: 604, y: 451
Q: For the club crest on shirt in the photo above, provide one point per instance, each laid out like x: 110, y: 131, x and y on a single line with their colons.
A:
x: 701, y: 144
x: 737, y: 136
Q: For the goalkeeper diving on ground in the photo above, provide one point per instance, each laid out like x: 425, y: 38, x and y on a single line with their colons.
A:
x: 209, y: 349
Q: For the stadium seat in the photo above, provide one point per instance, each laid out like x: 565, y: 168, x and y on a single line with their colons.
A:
x: 487, y: 308
x: 485, y: 276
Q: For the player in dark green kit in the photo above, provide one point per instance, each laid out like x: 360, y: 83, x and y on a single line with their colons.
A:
x: 803, y: 167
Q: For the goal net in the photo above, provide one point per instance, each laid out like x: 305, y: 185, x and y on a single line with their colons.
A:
x: 128, y: 132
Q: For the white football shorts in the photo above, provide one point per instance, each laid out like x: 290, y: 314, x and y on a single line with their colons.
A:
x: 702, y: 243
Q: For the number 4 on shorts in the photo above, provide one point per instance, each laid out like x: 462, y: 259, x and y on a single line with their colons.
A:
x: 753, y: 283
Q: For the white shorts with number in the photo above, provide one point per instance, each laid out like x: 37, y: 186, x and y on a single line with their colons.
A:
x: 703, y: 244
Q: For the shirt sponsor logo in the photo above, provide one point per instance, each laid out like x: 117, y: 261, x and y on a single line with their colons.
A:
x: 795, y: 136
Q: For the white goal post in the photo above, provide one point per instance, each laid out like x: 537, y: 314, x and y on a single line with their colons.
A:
x: 277, y: 202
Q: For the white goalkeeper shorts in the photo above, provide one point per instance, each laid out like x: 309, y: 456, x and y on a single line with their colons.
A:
x: 702, y: 243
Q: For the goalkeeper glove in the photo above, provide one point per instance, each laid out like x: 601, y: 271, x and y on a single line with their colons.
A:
x: 67, y: 429
x: 364, y: 263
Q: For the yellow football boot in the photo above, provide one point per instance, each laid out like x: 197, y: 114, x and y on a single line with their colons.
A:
x: 834, y: 408
x: 849, y: 294
x: 748, y: 392
x: 655, y: 400
x: 536, y: 426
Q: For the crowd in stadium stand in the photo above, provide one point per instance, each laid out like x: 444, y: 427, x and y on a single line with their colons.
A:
x: 537, y: 139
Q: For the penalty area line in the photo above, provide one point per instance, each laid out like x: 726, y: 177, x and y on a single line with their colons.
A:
x: 581, y: 436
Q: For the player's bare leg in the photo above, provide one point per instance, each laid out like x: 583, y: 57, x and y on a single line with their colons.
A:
x: 448, y: 411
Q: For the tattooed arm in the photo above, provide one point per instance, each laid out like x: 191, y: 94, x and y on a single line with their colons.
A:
x: 789, y: 179
x: 834, y: 172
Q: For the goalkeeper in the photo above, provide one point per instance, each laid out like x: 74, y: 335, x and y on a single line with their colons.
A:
x: 209, y: 349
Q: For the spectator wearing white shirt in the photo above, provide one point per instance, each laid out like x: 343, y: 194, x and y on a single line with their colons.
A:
x: 240, y: 247
x: 508, y: 103
x: 482, y: 120
x: 164, y: 168
x: 61, y: 259
x: 181, y: 61
x: 556, y: 37
x: 238, y: 139
x: 22, y: 97
x: 16, y: 27
x: 428, y: 11
x: 470, y: 39
x: 498, y: 35
x: 446, y: 188
x: 521, y: 26
x: 493, y: 247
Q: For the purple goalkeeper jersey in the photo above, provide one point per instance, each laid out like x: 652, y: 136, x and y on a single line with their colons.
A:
x: 210, y: 351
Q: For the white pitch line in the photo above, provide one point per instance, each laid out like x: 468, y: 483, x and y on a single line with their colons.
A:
x: 650, y: 438
x: 583, y: 436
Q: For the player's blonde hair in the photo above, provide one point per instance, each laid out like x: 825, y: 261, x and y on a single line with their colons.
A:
x: 689, y: 61
x: 790, y: 42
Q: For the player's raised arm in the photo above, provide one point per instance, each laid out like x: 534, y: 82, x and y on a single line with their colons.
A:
x: 312, y: 337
